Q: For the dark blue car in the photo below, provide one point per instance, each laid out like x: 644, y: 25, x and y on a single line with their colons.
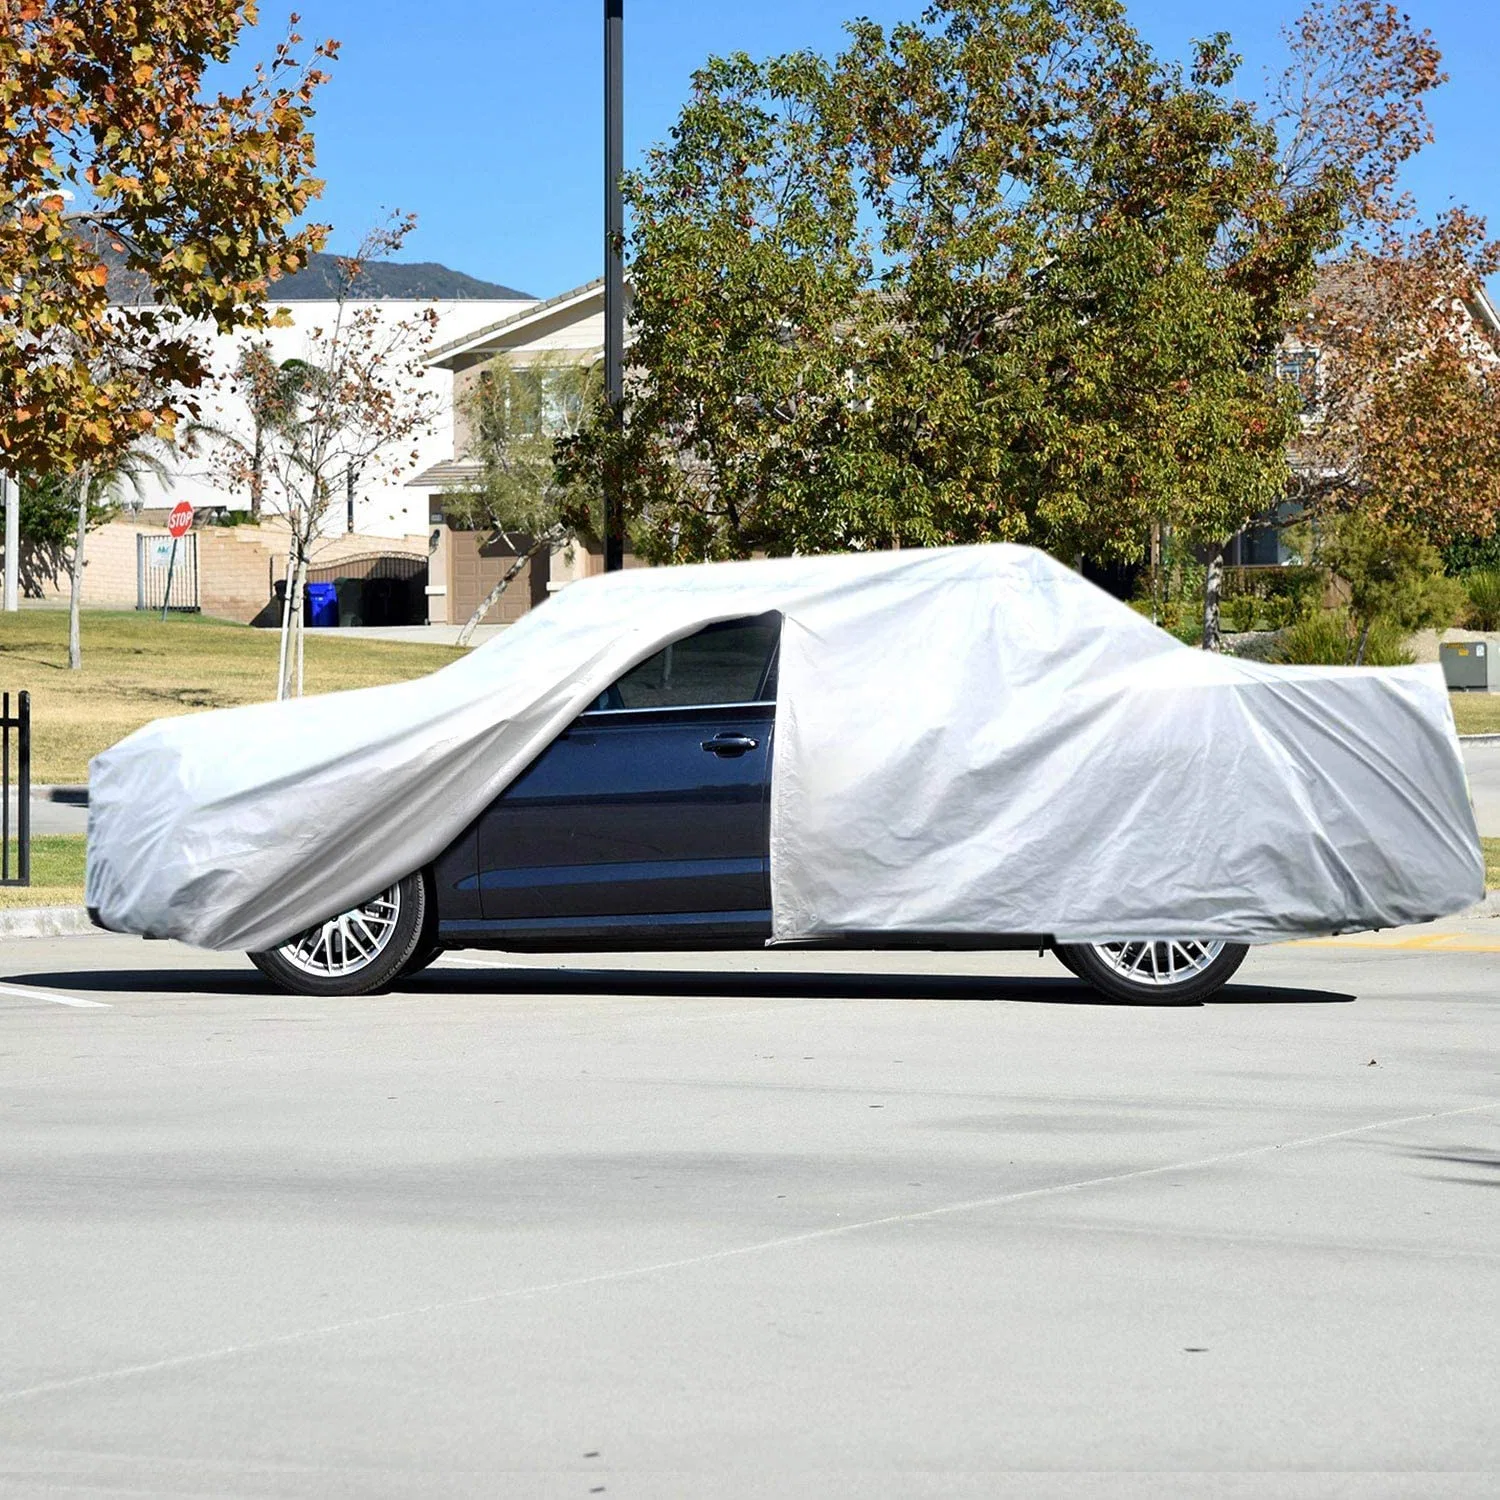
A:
x: 645, y: 826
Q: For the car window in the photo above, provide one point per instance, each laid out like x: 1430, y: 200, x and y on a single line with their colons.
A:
x: 724, y: 663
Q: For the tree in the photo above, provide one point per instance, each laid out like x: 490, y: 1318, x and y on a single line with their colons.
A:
x: 517, y: 415
x: 316, y: 423
x: 102, y: 108
x: 1391, y: 573
x: 1403, y: 408
x: 49, y: 529
x: 96, y: 491
x: 196, y: 195
x: 1348, y: 112
x: 270, y: 391
x: 995, y: 275
x: 1407, y: 428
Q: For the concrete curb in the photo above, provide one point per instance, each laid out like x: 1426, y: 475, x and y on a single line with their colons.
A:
x: 1489, y: 907
x: 44, y: 921
x: 76, y: 793
x: 1479, y: 739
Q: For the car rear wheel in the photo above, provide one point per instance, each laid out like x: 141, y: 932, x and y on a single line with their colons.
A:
x: 357, y: 951
x: 1169, y: 971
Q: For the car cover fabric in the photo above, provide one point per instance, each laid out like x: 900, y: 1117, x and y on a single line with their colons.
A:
x: 968, y: 741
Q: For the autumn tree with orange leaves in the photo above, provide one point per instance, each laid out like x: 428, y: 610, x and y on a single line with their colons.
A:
x: 112, y: 155
x: 1402, y: 441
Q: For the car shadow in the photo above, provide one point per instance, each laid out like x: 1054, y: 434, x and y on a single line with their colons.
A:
x: 506, y: 978
x: 818, y: 985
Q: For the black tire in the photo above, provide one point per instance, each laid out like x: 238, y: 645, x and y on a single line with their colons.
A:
x: 423, y: 958
x: 400, y: 940
x: 1094, y: 968
x: 1064, y: 955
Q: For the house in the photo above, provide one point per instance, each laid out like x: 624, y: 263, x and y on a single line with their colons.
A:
x: 234, y: 570
x: 464, y: 566
x: 1303, y: 364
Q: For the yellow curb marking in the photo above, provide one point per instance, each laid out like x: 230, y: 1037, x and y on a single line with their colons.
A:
x: 1439, y: 943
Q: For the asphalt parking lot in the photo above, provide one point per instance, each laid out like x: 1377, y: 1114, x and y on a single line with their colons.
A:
x: 764, y: 1225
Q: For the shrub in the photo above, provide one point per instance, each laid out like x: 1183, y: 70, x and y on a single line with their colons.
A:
x: 1240, y: 612
x: 1483, y: 586
x: 1329, y: 638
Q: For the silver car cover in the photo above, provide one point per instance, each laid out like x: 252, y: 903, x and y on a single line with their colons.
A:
x: 968, y: 740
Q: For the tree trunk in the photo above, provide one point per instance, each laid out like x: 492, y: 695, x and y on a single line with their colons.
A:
x: 257, y: 480
x: 286, y: 620
x: 1364, y: 640
x: 1156, y: 572
x: 548, y: 539
x: 299, y: 622
x: 1213, y: 588
x: 75, y: 579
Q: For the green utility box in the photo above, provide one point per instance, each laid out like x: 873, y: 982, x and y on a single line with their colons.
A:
x: 1469, y: 666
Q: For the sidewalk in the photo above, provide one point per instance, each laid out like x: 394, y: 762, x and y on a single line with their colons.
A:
x: 413, y: 635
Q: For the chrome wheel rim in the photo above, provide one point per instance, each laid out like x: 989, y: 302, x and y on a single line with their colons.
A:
x: 349, y: 942
x: 1162, y: 961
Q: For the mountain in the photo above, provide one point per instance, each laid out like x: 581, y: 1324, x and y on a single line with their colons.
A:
x: 388, y: 278
x: 318, y: 281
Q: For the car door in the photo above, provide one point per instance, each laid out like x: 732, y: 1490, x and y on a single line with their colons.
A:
x: 650, y: 813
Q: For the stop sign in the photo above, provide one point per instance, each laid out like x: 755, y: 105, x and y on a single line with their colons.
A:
x: 180, y: 522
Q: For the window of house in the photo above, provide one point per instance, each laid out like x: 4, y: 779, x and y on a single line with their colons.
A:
x: 1299, y: 367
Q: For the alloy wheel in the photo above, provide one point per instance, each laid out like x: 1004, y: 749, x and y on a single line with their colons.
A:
x: 349, y: 942
x: 1160, y: 962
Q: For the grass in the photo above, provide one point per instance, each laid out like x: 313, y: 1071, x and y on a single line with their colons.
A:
x: 1476, y: 713
x: 56, y: 873
x: 137, y: 668
x: 1491, y: 863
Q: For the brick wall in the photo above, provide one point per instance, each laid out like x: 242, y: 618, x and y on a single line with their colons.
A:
x: 237, y: 565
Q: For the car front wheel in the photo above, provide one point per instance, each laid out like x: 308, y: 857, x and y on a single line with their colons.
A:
x: 1175, y: 971
x: 357, y: 951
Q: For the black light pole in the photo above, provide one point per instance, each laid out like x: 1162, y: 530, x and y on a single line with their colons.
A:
x: 614, y: 267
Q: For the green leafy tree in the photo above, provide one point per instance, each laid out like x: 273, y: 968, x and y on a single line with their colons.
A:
x: 517, y: 415
x: 998, y: 274
x: 49, y: 526
x: 1393, y: 575
x: 56, y: 513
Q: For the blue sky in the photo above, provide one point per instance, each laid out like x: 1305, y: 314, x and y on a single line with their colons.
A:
x: 484, y: 117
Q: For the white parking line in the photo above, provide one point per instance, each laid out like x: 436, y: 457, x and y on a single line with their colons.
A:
x: 75, y: 1001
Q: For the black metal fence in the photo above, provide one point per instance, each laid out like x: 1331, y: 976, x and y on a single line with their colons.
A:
x: 15, y: 752
x: 375, y: 588
x: 155, y: 568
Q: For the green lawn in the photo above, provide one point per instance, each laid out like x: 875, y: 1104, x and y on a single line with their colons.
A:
x: 56, y: 873
x: 1476, y: 713
x: 137, y: 668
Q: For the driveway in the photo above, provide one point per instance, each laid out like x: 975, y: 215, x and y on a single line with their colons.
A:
x: 769, y: 1225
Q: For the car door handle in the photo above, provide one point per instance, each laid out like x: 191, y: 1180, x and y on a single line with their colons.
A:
x: 730, y: 744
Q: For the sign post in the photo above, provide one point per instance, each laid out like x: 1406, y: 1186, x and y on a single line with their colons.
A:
x: 179, y: 523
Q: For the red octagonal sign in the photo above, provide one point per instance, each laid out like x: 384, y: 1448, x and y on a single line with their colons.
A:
x: 180, y: 522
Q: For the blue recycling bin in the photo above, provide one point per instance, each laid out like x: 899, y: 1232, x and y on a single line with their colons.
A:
x: 322, y: 603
